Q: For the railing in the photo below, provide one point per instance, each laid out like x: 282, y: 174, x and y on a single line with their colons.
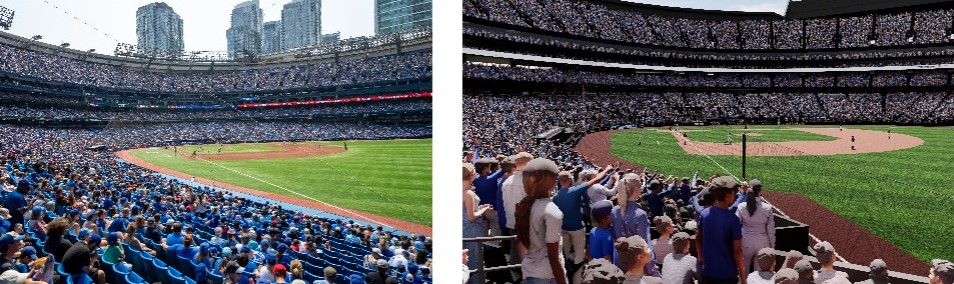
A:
x: 481, y: 271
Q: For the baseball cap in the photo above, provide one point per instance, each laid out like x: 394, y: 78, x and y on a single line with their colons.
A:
x: 725, y: 182
x: 878, y: 266
x: 28, y: 251
x: 601, y: 209
x: 824, y: 252
x: 792, y: 257
x: 630, y: 246
x: 766, y: 257
x: 74, y: 212
x: 95, y: 239
x: 522, y: 156
x: 280, y: 268
x: 786, y: 276
x: 382, y: 263
x: 600, y: 270
x: 662, y: 221
x: 245, y: 249
x: 83, y: 233
x: 943, y: 269
x: 680, y: 241
x: 232, y: 267
x: 565, y: 174
x: 8, y: 239
x: 281, y: 248
x: 376, y: 250
x: 542, y: 164
x: 112, y: 238
x: 13, y: 277
x: 755, y: 184
x: 355, y: 279
x: 805, y: 270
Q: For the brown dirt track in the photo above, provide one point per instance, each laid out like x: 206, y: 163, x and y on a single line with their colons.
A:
x: 289, y: 151
x: 348, y: 213
x: 867, y: 141
x: 851, y: 241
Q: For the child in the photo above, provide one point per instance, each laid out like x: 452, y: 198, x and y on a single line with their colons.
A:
x: 113, y: 252
x: 765, y: 260
x: 601, y: 236
x: 663, y: 245
x: 679, y: 267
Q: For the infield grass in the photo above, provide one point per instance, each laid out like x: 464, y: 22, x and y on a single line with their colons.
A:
x: 902, y: 196
x: 389, y: 178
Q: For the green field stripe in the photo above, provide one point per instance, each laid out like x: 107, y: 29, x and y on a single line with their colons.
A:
x: 388, y: 178
x: 863, y: 188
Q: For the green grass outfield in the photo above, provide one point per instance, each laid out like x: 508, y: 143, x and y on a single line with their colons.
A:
x: 904, y: 196
x: 390, y: 178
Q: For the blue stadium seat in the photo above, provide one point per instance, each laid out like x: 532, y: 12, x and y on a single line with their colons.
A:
x: 216, y: 278
x: 59, y: 270
x: 80, y: 278
x: 118, y: 273
x: 160, y: 271
x: 188, y: 265
x: 133, y: 278
x: 174, y: 276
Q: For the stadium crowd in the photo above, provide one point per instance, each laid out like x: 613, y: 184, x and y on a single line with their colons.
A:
x: 595, y: 20
x: 50, y: 67
x: 697, y: 79
x: 71, y: 214
x: 652, y: 56
x: 577, y: 222
x: 64, y: 112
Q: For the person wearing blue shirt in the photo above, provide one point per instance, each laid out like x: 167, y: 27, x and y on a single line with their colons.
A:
x: 655, y: 197
x: 719, y: 236
x: 175, y: 238
x: 569, y: 199
x: 16, y: 203
x: 601, y: 236
x: 628, y: 218
x: 485, y: 186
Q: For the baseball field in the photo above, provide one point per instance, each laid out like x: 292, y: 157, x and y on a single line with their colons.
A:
x: 383, y: 179
x: 898, y: 189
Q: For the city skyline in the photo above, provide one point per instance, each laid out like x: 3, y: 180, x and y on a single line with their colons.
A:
x: 100, y: 25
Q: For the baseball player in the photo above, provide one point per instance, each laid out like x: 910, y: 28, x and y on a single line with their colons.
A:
x: 852, y: 142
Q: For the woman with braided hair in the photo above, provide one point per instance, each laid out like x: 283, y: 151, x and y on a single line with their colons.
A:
x: 539, y: 225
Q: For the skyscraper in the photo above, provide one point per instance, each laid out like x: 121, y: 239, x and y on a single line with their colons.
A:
x: 398, y: 15
x: 245, y: 35
x: 301, y: 23
x: 159, y: 30
x: 272, y: 37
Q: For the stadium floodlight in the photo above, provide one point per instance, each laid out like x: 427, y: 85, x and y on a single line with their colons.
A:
x: 125, y: 49
x: 36, y: 37
x: 65, y: 45
x: 6, y: 17
x: 91, y: 50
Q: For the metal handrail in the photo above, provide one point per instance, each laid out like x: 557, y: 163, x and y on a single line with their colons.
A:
x: 481, y: 270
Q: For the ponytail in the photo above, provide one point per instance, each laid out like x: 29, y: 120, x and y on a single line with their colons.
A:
x: 750, y: 203
x: 537, y: 185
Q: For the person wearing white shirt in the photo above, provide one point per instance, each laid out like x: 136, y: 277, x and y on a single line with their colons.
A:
x: 679, y: 267
x: 758, y: 225
x: 764, y: 273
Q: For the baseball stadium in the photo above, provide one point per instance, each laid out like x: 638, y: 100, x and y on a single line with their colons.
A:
x: 302, y: 166
x: 841, y: 110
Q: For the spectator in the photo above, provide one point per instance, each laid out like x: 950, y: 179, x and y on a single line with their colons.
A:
x: 601, y: 236
x: 806, y: 274
x: 791, y: 258
x: 473, y: 220
x: 718, y: 239
x: 569, y: 199
x: 539, y: 222
x: 758, y: 225
x: 825, y: 254
x: 600, y: 271
x: 679, y: 267
x: 787, y: 276
x: 634, y: 254
x: 942, y: 272
x: 55, y: 244
x: 878, y: 273
x: 663, y: 245
x: 764, y: 272
x: 113, y: 252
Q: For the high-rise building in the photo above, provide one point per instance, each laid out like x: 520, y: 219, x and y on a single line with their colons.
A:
x: 301, y: 23
x: 333, y: 37
x: 159, y: 31
x: 272, y: 37
x: 392, y: 16
x: 245, y: 34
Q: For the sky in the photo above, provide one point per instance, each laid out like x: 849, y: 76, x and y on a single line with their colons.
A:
x: 101, y: 24
x: 777, y: 6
